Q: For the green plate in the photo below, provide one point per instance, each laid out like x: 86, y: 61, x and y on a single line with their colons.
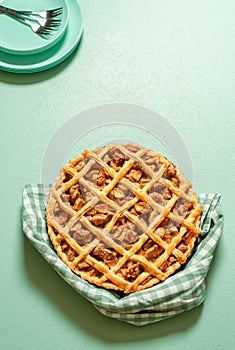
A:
x: 16, y: 38
x: 56, y: 54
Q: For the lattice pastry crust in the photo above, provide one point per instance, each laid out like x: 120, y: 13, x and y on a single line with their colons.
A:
x: 123, y: 217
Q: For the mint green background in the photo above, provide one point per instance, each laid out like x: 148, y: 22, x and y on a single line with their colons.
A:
x: 175, y: 57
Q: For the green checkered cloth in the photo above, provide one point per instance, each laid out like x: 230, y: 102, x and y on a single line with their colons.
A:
x: 181, y: 292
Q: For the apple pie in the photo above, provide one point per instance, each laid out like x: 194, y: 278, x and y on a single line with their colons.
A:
x: 123, y: 217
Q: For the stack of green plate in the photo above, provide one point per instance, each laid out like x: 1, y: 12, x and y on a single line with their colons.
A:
x: 23, y: 51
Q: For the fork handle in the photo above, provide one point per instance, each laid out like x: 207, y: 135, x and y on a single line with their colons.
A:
x: 8, y: 11
x: 18, y: 14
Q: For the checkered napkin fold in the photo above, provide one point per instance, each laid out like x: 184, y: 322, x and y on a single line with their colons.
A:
x: 178, y: 293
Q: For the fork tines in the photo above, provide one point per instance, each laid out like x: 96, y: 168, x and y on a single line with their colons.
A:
x: 54, y: 12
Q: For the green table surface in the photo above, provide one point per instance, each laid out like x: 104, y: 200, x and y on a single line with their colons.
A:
x: 174, y: 57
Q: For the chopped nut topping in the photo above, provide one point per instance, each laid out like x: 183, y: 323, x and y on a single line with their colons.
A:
x: 105, y: 254
x: 158, y: 198
x: 160, y: 231
x: 134, y: 175
x: 88, y: 196
x: 67, y: 177
x: 116, y: 193
x: 182, y: 207
x: 99, y: 215
x: 142, y: 207
x: 182, y: 247
x: 116, y: 163
x: 151, y: 250
x: 158, y: 187
x: 93, y: 175
x: 65, y: 198
x: 170, y: 171
x: 143, y: 210
x: 130, y: 270
x: 78, y: 204
x: 74, y: 192
x: 167, y: 230
x: 83, y: 265
x: 70, y: 254
x: 61, y: 217
x: 121, y: 194
x: 163, y: 266
x: 152, y: 161
x: 64, y: 245
x: 170, y: 261
x: 100, y: 219
x: 187, y: 237
x: 103, y: 178
x: 171, y: 174
x: 125, y: 232
x: 80, y: 234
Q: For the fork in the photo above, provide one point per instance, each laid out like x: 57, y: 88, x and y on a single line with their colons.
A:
x: 39, y: 25
x: 42, y: 30
x: 43, y: 14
